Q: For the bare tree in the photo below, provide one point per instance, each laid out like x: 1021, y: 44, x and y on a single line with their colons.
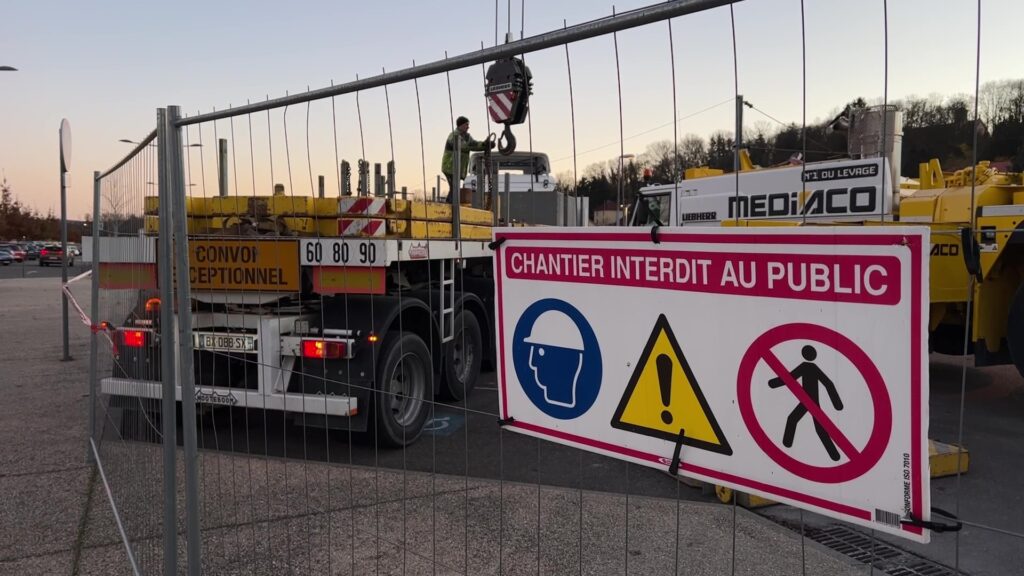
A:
x: 112, y: 212
x: 692, y: 151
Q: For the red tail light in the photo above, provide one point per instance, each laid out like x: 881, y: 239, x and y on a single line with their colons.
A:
x: 43, y: 252
x: 133, y: 338
x: 322, y: 349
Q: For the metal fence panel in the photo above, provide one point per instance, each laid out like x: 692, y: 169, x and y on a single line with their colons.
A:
x: 325, y: 348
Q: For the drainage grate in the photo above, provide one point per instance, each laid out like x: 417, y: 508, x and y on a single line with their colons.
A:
x: 892, y: 561
x: 854, y: 544
x: 920, y: 569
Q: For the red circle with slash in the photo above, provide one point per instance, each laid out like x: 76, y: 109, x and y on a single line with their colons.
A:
x: 858, y: 461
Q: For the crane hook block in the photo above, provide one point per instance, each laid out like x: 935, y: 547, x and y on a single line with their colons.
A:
x: 507, y: 89
x: 507, y: 142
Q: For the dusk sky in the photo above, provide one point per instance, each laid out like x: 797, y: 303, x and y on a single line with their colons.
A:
x: 107, y: 66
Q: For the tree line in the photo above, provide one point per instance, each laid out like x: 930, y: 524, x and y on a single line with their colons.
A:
x: 936, y: 126
x: 18, y: 222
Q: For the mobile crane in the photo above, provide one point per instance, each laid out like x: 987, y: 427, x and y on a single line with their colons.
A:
x: 977, y: 280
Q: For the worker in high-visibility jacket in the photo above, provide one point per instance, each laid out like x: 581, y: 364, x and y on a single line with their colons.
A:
x: 467, y: 145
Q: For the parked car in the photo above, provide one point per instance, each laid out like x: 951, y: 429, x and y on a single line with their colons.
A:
x: 6, y: 258
x: 16, y: 251
x: 32, y: 251
x: 54, y: 254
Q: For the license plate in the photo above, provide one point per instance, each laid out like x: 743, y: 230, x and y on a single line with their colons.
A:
x: 224, y: 342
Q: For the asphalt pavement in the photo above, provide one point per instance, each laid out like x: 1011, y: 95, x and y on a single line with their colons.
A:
x: 32, y: 269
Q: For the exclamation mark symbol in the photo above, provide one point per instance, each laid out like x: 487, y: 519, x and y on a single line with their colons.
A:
x: 664, y: 363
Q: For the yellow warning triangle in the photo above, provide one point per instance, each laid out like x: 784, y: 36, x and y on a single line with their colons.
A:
x: 663, y: 397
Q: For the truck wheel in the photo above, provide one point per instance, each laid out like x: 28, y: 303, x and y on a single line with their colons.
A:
x: 462, y: 360
x: 404, y: 385
x: 1015, y: 329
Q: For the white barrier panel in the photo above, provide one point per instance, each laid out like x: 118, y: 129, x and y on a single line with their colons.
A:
x: 785, y: 362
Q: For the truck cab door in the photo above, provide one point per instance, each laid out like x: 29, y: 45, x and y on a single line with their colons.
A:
x: 653, y: 209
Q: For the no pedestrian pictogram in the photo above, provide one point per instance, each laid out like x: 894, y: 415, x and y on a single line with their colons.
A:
x: 786, y: 373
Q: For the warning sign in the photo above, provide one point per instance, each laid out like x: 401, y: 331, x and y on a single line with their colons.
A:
x: 252, y: 265
x: 787, y: 363
x: 804, y: 381
x: 663, y: 399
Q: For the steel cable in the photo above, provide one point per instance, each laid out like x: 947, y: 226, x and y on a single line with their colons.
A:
x: 970, y: 288
x: 675, y: 192
x: 430, y: 344
x: 736, y: 170
x: 401, y: 328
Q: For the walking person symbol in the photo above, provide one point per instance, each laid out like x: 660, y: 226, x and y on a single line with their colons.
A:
x: 810, y: 377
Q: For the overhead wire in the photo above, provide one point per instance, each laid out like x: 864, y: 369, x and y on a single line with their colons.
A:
x: 650, y: 130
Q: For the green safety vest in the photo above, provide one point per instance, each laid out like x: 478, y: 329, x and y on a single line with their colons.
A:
x: 468, y: 145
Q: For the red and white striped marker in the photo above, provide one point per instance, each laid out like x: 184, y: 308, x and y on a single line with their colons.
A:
x: 363, y: 207
x: 500, y: 105
x: 361, y: 227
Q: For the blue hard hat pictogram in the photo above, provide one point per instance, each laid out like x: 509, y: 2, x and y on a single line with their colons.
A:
x: 557, y: 358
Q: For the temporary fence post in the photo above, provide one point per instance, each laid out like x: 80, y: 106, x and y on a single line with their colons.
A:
x: 94, y: 311
x: 176, y: 189
x: 167, y: 360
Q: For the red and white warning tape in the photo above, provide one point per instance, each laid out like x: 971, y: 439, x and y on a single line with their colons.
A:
x: 95, y: 328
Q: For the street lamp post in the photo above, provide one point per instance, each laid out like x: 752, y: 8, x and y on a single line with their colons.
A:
x: 65, y: 166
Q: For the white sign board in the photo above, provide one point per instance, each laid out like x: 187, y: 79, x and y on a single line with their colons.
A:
x: 833, y: 191
x: 785, y: 362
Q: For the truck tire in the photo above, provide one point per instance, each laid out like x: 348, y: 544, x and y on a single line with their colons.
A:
x: 462, y: 358
x: 1015, y: 329
x: 404, y: 387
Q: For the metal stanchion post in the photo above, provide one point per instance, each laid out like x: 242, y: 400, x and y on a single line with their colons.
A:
x: 94, y: 310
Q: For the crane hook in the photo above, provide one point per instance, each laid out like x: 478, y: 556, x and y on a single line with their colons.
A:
x: 509, y: 139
